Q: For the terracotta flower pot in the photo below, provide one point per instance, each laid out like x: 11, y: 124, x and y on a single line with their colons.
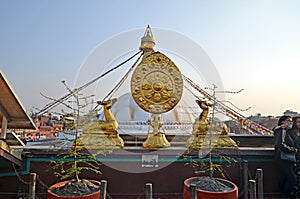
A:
x: 51, y: 195
x: 201, y: 194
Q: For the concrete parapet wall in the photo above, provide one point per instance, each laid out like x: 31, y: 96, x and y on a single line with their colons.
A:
x: 167, y: 174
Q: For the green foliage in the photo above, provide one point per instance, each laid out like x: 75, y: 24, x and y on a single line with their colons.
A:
x: 212, y: 163
x: 85, y: 161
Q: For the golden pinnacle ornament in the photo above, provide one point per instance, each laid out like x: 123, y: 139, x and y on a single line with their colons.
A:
x: 156, y: 86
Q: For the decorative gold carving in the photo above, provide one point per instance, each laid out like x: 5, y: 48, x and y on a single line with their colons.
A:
x: 207, y: 135
x: 156, y: 84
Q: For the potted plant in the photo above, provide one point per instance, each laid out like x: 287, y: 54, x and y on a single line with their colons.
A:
x: 209, y: 187
x: 77, y: 159
x: 207, y: 136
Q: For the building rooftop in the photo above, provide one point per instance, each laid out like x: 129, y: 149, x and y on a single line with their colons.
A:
x: 11, y: 107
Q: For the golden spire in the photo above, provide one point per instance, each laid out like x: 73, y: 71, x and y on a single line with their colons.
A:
x: 147, y: 41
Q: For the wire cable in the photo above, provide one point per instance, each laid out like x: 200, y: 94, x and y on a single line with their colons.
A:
x: 61, y: 99
x: 119, y: 84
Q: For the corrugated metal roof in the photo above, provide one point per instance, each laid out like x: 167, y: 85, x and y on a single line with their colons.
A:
x: 12, y: 108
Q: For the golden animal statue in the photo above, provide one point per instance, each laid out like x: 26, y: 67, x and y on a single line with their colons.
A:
x: 110, y: 124
x: 103, y: 133
x: 201, y: 124
x: 209, y: 135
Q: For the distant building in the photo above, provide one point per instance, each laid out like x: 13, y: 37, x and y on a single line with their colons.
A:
x: 291, y: 113
x: 47, y: 126
x: 267, y: 121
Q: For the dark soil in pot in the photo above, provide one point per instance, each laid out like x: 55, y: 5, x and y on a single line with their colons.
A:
x: 212, y: 185
x: 74, y: 188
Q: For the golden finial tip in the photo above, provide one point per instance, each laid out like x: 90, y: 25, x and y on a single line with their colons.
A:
x: 147, y: 41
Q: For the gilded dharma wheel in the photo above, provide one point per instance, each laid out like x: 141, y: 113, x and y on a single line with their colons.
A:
x: 156, y: 84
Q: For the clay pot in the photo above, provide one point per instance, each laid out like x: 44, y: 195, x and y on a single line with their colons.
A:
x: 51, y: 195
x: 201, y: 194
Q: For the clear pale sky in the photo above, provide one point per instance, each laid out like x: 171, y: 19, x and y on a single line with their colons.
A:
x: 255, y: 45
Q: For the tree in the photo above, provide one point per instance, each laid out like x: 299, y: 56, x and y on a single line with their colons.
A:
x: 77, y: 159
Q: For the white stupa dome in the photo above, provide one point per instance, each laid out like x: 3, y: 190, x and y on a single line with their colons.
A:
x: 125, y: 109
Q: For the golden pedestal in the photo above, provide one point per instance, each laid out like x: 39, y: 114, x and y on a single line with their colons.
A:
x: 213, y: 140
x: 155, y: 141
x: 94, y: 136
x: 100, y: 140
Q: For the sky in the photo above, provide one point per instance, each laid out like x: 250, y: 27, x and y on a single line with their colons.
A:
x: 254, y: 45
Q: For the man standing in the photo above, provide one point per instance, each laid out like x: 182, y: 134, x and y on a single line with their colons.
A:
x: 284, y: 144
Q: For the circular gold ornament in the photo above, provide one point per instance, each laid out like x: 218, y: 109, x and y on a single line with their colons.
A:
x: 156, y: 84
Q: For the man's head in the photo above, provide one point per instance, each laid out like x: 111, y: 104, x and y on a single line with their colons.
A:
x: 285, y: 121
